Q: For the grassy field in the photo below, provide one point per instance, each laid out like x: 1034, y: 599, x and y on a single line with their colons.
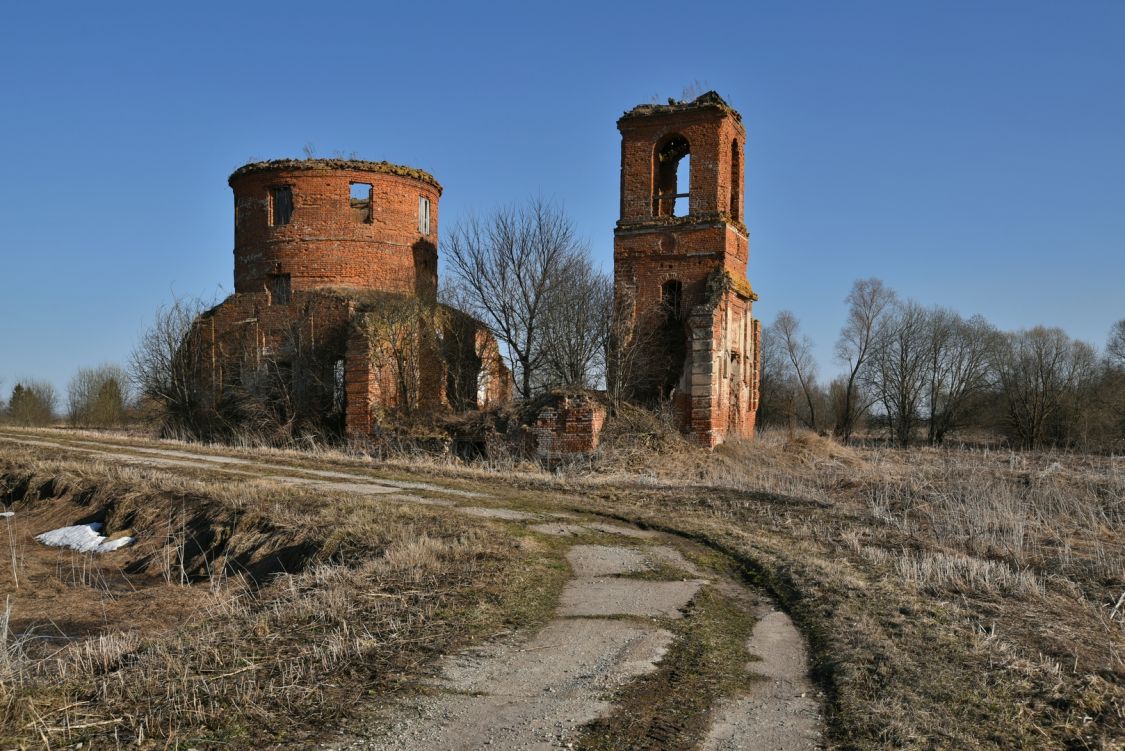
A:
x: 951, y: 598
x: 172, y: 640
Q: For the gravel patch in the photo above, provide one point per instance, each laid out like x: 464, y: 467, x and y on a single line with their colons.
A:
x: 605, y: 560
x: 780, y: 713
x: 615, y: 529
x: 559, y: 529
x: 602, y: 596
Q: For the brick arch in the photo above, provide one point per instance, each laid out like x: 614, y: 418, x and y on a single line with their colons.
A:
x: 667, y: 154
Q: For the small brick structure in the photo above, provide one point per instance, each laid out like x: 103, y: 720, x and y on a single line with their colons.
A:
x: 680, y: 270
x: 335, y: 276
x: 571, y: 426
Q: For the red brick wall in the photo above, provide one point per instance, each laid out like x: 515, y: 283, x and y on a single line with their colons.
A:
x: 706, y: 251
x: 324, y: 245
x: 572, y: 426
x: 247, y: 333
x: 343, y: 264
x: 710, y: 131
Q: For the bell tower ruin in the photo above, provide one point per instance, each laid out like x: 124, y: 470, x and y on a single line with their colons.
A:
x: 679, y: 256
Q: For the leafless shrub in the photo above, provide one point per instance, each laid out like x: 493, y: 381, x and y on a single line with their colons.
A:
x: 163, y: 367
x: 97, y: 397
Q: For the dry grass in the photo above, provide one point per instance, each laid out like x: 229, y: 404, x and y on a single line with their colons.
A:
x: 248, y: 614
x: 953, y: 599
x: 959, y: 598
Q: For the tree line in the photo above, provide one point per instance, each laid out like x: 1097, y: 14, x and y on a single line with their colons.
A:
x: 913, y: 373
x: 95, y: 398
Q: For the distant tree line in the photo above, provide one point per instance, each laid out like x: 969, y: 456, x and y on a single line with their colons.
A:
x: 96, y: 398
x: 913, y: 373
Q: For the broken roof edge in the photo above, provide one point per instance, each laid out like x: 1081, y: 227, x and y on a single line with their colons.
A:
x: 709, y: 100
x: 358, y: 165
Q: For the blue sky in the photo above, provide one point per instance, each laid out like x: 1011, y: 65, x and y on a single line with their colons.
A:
x: 970, y: 154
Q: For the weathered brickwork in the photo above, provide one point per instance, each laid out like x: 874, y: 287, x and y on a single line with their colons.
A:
x: 682, y: 279
x: 571, y: 426
x: 335, y: 289
x: 327, y: 242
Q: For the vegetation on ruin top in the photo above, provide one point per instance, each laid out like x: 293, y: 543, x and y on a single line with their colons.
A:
x: 708, y: 100
x: 359, y: 165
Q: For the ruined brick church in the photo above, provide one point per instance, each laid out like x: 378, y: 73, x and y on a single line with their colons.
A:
x: 335, y: 270
x: 334, y: 311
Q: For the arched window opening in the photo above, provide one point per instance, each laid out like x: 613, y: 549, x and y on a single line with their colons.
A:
x: 735, y: 181
x: 673, y: 185
x: 683, y: 188
x: 671, y: 299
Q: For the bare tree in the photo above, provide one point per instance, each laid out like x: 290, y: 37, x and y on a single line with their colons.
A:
x: 896, y: 371
x: 509, y: 266
x: 163, y: 369
x: 1115, y: 347
x: 1039, y: 371
x: 778, y: 401
x: 838, y: 402
x: 795, y: 363
x: 869, y: 303
x: 96, y: 397
x: 576, y: 328
x: 958, y: 355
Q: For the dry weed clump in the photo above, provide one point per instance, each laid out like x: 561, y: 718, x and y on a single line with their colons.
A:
x: 304, y: 607
x: 940, y: 572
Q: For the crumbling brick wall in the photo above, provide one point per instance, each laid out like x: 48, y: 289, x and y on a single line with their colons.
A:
x: 681, y: 279
x: 572, y: 425
x: 323, y: 242
x: 320, y: 277
x: 248, y: 346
